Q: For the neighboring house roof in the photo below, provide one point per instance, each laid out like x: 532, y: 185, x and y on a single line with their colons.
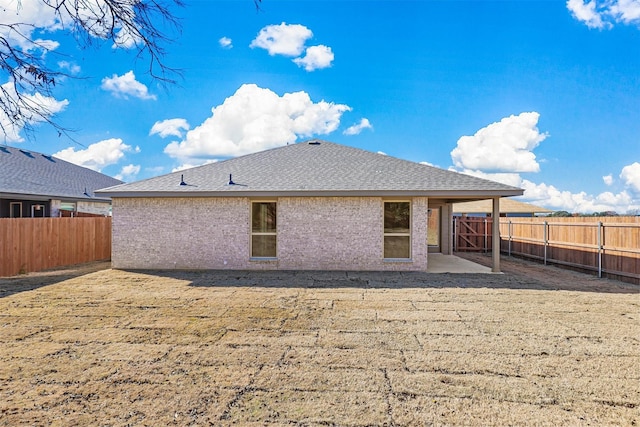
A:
x: 506, y: 206
x: 314, y: 168
x: 36, y: 175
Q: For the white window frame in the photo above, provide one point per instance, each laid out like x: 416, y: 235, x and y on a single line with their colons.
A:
x: 33, y: 211
x: 262, y: 233
x: 11, y: 205
x: 384, y: 234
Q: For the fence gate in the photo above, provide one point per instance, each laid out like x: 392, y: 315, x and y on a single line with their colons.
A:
x: 472, y: 234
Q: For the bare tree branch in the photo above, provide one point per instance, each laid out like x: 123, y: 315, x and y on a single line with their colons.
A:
x: 142, y: 25
x: 26, y: 98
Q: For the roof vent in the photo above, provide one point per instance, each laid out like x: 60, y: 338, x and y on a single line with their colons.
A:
x: 86, y: 193
x: 231, y: 180
x: 314, y: 142
x: 182, y: 180
x: 48, y: 158
x: 4, y: 150
x: 26, y: 153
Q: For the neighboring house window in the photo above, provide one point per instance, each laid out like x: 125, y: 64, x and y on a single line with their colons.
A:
x: 15, y: 210
x: 263, y: 229
x: 37, y: 211
x: 397, y: 230
x: 68, y: 206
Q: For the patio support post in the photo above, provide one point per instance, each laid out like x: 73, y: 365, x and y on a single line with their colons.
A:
x: 447, y: 229
x: 495, y: 236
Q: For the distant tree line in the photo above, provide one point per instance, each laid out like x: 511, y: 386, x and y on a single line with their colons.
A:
x: 632, y: 212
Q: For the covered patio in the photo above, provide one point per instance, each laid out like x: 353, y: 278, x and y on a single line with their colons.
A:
x: 440, y: 240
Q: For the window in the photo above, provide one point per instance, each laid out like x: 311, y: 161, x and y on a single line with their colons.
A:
x: 37, y: 211
x: 68, y: 206
x: 15, y: 209
x: 397, y: 230
x: 263, y: 229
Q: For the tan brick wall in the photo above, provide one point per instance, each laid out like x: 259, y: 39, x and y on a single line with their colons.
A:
x: 341, y: 233
x: 183, y: 233
x: 323, y: 233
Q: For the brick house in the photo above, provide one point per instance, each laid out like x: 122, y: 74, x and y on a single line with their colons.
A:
x: 314, y: 205
x: 33, y: 184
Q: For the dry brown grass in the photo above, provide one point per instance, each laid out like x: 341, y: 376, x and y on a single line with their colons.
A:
x: 351, y: 349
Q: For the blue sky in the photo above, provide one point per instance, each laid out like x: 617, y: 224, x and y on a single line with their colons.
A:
x: 544, y: 95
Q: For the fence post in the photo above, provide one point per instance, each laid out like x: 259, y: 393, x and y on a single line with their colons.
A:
x: 509, y: 228
x: 546, y: 240
x: 600, y: 239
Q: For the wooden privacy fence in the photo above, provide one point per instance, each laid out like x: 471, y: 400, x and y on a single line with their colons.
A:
x: 35, y: 244
x: 609, y: 246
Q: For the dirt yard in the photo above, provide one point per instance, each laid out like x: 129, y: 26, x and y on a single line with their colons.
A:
x: 95, y: 346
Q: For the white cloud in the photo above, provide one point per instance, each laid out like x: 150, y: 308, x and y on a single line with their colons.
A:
x: 69, y: 66
x: 28, y: 17
x: 512, y: 179
x: 155, y: 170
x: 36, y: 13
x: 626, y: 11
x: 316, y: 57
x: 255, y: 119
x: 605, y: 13
x: 586, y: 12
x: 225, y: 43
x: 27, y: 25
x: 502, y: 146
x: 631, y: 176
x: 35, y: 17
x: 192, y: 165
x: 284, y: 39
x: 501, y: 150
x: 358, y: 127
x: 126, y: 85
x: 289, y: 40
x: 183, y: 167
x: 128, y: 172
x: 126, y: 40
x: 174, y: 127
x: 553, y: 198
x: 45, y: 106
x: 46, y: 45
x: 97, y: 156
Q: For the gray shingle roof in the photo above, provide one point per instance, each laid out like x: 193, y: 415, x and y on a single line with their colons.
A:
x: 314, y: 168
x: 24, y: 172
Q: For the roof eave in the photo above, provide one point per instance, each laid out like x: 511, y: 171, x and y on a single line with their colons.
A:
x: 45, y: 197
x: 448, y: 194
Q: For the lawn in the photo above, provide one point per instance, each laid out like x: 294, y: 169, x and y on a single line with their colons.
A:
x: 114, y: 347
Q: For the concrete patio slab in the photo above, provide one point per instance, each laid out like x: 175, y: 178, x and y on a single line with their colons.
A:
x: 439, y: 263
